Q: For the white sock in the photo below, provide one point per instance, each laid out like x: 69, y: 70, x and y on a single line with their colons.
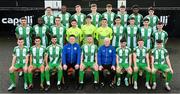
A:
x: 95, y: 81
x: 59, y: 82
x: 48, y: 82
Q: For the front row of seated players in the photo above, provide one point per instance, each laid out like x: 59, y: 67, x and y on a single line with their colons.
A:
x: 106, y: 58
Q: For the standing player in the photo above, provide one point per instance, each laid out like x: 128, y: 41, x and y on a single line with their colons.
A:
x: 107, y: 60
x: 25, y: 32
x: 95, y: 16
x: 19, y: 61
x: 88, y: 29
x: 131, y: 34
x: 160, y: 34
x: 71, y: 58
x: 48, y: 17
x: 103, y: 32
x: 37, y: 53
x: 141, y: 63
x: 123, y: 15
x: 89, y: 60
x: 146, y: 34
x: 109, y: 15
x: 153, y: 19
x: 124, y: 61
x: 41, y: 30
x: 161, y: 62
x: 78, y: 16
x: 118, y: 32
x: 65, y: 16
x: 138, y: 17
x: 74, y: 30
x: 53, y: 61
x: 58, y: 30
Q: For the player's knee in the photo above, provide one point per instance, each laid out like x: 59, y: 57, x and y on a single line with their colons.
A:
x: 11, y: 70
x: 96, y: 68
x: 25, y: 70
x: 81, y: 67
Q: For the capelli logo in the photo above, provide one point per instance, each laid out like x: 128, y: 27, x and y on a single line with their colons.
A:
x: 16, y: 21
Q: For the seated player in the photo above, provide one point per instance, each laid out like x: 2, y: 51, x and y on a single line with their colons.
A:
x: 53, y: 62
x: 37, y: 53
x: 161, y: 62
x: 19, y: 61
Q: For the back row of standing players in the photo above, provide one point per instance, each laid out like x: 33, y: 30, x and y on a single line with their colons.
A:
x: 109, y: 24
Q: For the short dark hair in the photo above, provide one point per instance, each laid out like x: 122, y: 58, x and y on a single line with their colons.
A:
x: 73, y: 20
x: 54, y: 36
x: 132, y: 18
x: 118, y: 17
x: 48, y: 8
x: 72, y: 36
x: 108, y: 5
x: 89, y: 35
x: 37, y: 37
x: 151, y: 8
x: 93, y: 5
x: 159, y: 41
x: 88, y: 17
x: 146, y: 19
x: 57, y: 17
x: 23, y: 18
x: 20, y: 38
x: 159, y: 23
x: 140, y: 39
x: 122, y: 6
x: 135, y: 6
x: 123, y: 40
x: 104, y: 19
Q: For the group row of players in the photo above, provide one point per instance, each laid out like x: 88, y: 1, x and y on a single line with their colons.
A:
x: 115, y: 57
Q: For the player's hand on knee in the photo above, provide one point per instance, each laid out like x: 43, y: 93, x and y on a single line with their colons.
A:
x: 113, y: 68
x: 171, y: 70
x: 100, y: 68
x: 135, y: 68
x: 77, y: 66
x: 149, y: 69
x: 47, y: 67
x: 65, y: 67
x: 31, y: 66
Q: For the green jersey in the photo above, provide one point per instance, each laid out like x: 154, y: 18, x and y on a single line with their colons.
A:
x: 25, y: 33
x: 48, y: 20
x: 118, y: 34
x: 37, y: 54
x: 87, y: 30
x: 138, y: 19
x: 65, y: 19
x: 124, y: 18
x: 123, y: 54
x: 146, y: 34
x: 42, y: 32
x: 20, y: 54
x: 80, y: 18
x: 59, y: 32
x: 76, y: 32
x: 131, y: 36
x: 153, y: 20
x: 159, y: 55
x: 89, y: 52
x: 54, y: 53
x: 95, y: 19
x: 140, y: 54
x: 102, y: 33
x: 162, y: 35
x: 110, y: 17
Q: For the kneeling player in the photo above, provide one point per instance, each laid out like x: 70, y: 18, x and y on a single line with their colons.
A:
x: 141, y: 63
x: 89, y: 60
x: 123, y: 60
x: 53, y: 54
x: 19, y: 61
x: 37, y: 53
x: 161, y: 62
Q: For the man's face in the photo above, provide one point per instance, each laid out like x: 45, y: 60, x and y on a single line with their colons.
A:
x: 23, y: 22
x: 63, y: 8
x: 88, y: 20
x: 118, y: 21
x: 48, y: 11
x: 123, y: 44
x: 53, y: 40
x: 140, y: 43
x: 57, y: 21
x: 37, y: 41
x: 151, y: 12
x: 109, y: 8
x: 90, y: 39
x: 104, y: 22
x: 107, y: 42
x: 74, y: 23
x: 146, y: 23
x: 122, y: 9
x: 160, y: 26
x: 93, y: 8
x: 72, y: 40
x: 78, y: 9
x: 135, y: 10
x: 20, y: 42
x: 159, y: 45
x: 40, y: 21
x: 132, y: 22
